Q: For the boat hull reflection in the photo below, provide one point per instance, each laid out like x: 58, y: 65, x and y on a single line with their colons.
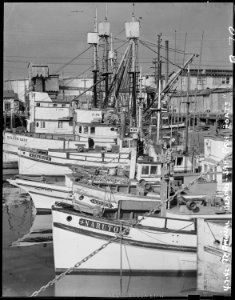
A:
x: 132, y: 286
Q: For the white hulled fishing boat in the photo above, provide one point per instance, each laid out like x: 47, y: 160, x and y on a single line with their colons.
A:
x: 154, y: 245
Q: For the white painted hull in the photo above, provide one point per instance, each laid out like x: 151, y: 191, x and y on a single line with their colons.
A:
x: 13, y: 141
x: 89, y: 190
x: 44, y: 195
x: 38, y: 164
x: 143, y: 250
x: 32, y: 167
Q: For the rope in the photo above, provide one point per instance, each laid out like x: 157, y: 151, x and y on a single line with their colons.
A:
x: 216, y: 241
x: 120, y: 235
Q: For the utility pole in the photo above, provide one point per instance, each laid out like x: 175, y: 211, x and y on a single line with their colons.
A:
x: 167, y: 61
x: 159, y: 104
x: 158, y: 57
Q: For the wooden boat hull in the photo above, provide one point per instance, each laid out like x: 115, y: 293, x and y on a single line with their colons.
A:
x: 40, y: 164
x: 44, y: 195
x: 144, y: 249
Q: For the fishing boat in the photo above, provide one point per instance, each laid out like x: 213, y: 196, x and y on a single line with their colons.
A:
x: 92, y: 189
x: 155, y: 244
x: 59, y: 162
x: 42, y: 191
x: 132, y: 238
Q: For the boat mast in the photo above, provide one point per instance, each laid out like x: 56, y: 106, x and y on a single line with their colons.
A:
x: 95, y: 69
x: 93, y: 39
x: 104, y: 33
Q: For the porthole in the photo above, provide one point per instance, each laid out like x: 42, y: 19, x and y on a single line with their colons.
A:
x: 81, y: 197
x: 69, y: 218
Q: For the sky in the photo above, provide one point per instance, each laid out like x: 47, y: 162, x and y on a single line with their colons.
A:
x: 53, y: 33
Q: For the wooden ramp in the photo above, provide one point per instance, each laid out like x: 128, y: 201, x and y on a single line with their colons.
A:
x: 214, y: 256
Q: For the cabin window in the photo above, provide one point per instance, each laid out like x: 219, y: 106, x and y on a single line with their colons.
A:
x: 85, y: 129
x: 125, y: 144
x: 80, y: 129
x: 179, y: 161
x: 63, y: 105
x: 43, y: 124
x: 92, y: 129
x: 54, y: 105
x: 145, y: 170
x: 60, y: 124
x: 153, y: 170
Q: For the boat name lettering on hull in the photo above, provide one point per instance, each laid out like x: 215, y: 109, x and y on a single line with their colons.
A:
x: 95, y: 201
x: 39, y: 156
x: 102, y: 226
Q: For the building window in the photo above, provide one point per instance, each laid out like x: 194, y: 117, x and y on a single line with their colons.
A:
x: 7, y: 106
x: 85, y: 129
x: 153, y: 170
x: 202, y: 80
x: 205, y: 168
x: 54, y: 105
x: 80, y: 129
x: 63, y: 105
x: 225, y: 80
x: 60, y: 124
x: 145, y: 170
x: 42, y: 124
x: 37, y: 104
x: 92, y: 129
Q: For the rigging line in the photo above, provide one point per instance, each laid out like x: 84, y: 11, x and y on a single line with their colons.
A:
x: 162, y: 56
x: 76, y: 98
x: 116, y: 237
x: 69, y: 62
x: 163, y: 47
x: 217, y: 241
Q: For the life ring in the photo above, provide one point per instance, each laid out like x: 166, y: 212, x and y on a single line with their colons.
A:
x: 147, y: 186
x: 191, y: 205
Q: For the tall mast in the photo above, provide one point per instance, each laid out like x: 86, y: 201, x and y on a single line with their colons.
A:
x: 187, y: 112
x: 104, y: 33
x: 132, y: 33
x: 93, y: 39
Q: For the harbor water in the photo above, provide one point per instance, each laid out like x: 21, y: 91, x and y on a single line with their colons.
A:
x: 28, y: 261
